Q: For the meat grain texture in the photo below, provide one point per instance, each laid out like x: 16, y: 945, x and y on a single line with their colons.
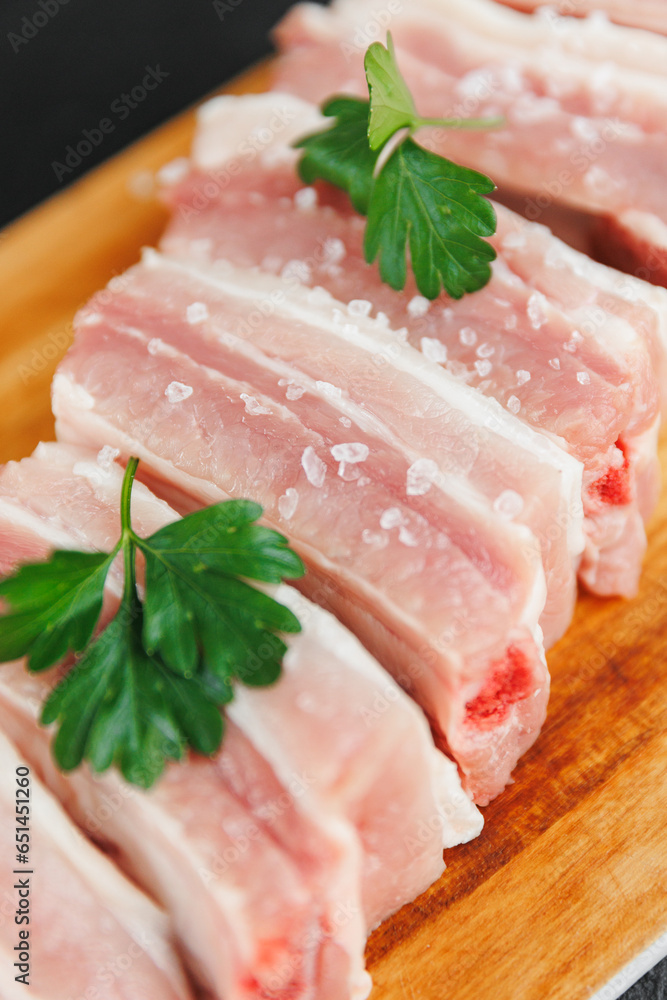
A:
x: 447, y: 470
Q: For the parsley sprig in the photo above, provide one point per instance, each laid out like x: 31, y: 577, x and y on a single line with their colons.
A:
x: 154, y: 681
x: 414, y: 199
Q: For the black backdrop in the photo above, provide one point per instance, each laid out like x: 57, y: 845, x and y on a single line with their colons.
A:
x: 100, y: 73
x: 68, y: 65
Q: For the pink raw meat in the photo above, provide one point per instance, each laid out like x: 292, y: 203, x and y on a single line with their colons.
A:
x: 92, y: 933
x: 211, y: 415
x: 565, y: 343
x: 584, y: 101
x: 333, y: 713
x: 648, y: 14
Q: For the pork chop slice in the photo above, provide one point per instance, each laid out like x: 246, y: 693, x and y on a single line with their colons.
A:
x: 443, y: 590
x: 571, y: 347
x: 90, y: 931
x: 351, y: 850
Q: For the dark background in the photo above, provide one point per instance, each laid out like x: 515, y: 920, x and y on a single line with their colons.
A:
x: 71, y: 73
x: 63, y: 76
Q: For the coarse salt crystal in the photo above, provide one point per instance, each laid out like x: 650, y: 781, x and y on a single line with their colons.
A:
x: 294, y: 391
x: 176, y: 392
x: 296, y: 270
x: 359, y: 307
x: 348, y: 471
x: 333, y: 250
x: 196, y: 313
x: 252, y: 406
x: 375, y: 538
x: 287, y: 503
x: 382, y: 319
x: 418, y: 306
x: 106, y: 456
x: 467, y: 336
x: 555, y: 363
x: 433, y: 349
x: 483, y: 367
x: 313, y: 466
x: 421, y: 476
x: 584, y: 128
x: 485, y: 351
x: 583, y: 378
x: 352, y: 451
x: 527, y: 110
x: 510, y: 322
x: 305, y: 199
x: 332, y: 391
x: 391, y: 518
x: 508, y: 504
x: 514, y: 404
x: 154, y: 345
x: 535, y: 310
x: 522, y: 376
x: 406, y: 537
x: 345, y: 421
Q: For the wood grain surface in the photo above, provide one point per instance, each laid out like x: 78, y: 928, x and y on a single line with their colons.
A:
x: 568, y: 881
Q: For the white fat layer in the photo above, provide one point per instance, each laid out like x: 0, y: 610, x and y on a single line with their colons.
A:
x: 497, y: 31
x: 149, y: 512
x: 141, y: 918
x: 307, y: 306
x: 229, y: 130
x: 616, y: 335
x: 24, y: 518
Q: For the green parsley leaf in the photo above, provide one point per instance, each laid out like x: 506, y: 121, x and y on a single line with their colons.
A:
x: 391, y: 104
x: 120, y: 706
x: 435, y: 207
x: 421, y: 207
x: 195, y: 606
x: 55, y: 607
x: 341, y: 154
x: 154, y: 681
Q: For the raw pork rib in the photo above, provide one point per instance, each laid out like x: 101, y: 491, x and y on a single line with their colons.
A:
x: 565, y: 343
x: 648, y: 14
x: 442, y: 588
x: 300, y: 790
x: 585, y: 101
x: 92, y: 933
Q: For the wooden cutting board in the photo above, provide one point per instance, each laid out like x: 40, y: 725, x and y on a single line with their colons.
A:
x: 568, y: 881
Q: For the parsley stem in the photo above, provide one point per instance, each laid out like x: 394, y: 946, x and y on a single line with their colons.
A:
x: 127, y: 540
x: 459, y: 122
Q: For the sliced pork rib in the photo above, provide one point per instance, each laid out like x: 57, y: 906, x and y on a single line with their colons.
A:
x: 442, y: 588
x: 584, y: 101
x: 566, y: 344
x: 327, y: 789
x: 91, y: 931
